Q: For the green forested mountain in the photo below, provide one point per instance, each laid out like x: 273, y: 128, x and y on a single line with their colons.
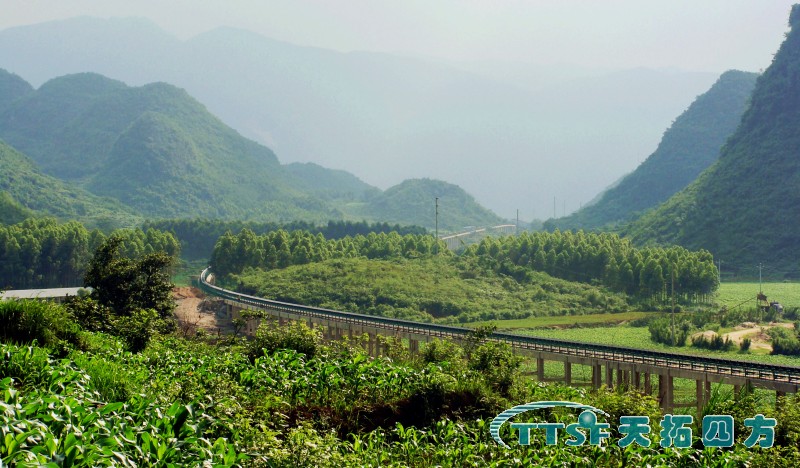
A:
x: 413, y: 202
x: 12, y: 87
x: 25, y: 190
x: 154, y: 148
x: 746, y: 208
x: 159, y: 152
x: 329, y: 183
x: 10, y: 211
x: 688, y: 147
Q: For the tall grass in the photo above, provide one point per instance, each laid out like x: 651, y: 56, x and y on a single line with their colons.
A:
x: 23, y: 322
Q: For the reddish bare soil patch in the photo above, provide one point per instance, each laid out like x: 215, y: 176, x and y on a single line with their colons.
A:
x: 195, y: 311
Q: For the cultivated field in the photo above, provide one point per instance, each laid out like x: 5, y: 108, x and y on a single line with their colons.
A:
x: 744, y: 294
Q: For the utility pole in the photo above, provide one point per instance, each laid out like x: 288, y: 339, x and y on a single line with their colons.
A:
x: 760, y: 266
x: 719, y: 271
x: 673, y: 303
x: 516, y: 232
x: 437, y: 225
x: 554, y: 208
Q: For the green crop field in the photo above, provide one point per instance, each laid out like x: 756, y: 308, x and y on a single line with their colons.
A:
x: 733, y: 294
x: 564, y: 320
x: 639, y: 337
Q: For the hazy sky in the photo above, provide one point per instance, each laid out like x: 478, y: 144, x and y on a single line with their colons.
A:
x: 705, y: 35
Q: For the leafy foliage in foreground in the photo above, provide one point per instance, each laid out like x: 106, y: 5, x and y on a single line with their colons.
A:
x: 187, y: 403
x: 25, y: 322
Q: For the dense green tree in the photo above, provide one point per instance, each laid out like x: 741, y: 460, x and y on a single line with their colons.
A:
x: 127, y: 285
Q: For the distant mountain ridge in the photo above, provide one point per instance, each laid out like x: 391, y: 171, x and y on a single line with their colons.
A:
x: 382, y: 117
x: 161, y: 154
x: 413, y: 199
x: 688, y: 147
x: 154, y: 148
x: 12, y: 87
x: 745, y: 208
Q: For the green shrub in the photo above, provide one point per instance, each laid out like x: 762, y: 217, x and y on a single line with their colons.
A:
x: 297, y: 336
x: 745, y: 345
x: 136, y: 329
x: 661, y: 331
x: 48, y: 324
x: 89, y: 313
x: 441, y: 351
x: 784, y: 341
x: 498, y: 364
x: 716, y: 343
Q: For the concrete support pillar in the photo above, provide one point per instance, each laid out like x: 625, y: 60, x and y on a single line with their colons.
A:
x: 648, y: 385
x: 540, y: 369
x: 413, y: 346
x: 637, y: 380
x: 702, y: 398
x: 371, y: 344
x: 737, y: 389
x: 622, y: 378
x: 609, y: 376
x: 665, y: 392
x: 568, y: 373
x: 597, y: 376
x: 778, y: 395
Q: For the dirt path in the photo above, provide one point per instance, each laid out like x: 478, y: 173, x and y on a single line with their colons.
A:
x: 757, y: 334
x: 193, y: 313
x: 758, y: 338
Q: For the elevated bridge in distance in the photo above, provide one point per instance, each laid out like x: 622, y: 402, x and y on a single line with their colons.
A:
x: 610, y: 365
x: 455, y: 241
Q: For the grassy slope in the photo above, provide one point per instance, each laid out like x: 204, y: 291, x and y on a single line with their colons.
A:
x: 423, y: 289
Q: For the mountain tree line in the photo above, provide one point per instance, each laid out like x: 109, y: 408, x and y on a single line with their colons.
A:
x: 605, y: 259
x: 280, y: 249
x: 198, y: 236
x: 43, y: 253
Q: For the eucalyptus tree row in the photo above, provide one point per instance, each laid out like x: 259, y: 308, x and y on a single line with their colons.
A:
x: 42, y: 253
x: 280, y: 249
x: 606, y: 259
